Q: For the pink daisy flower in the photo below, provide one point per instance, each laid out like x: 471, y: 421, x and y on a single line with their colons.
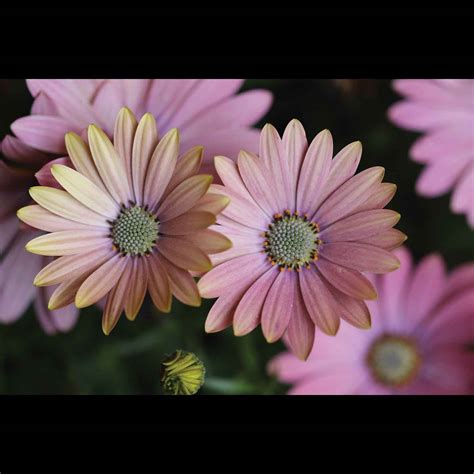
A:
x: 132, y: 218
x: 17, y: 267
x: 304, y: 229
x: 444, y: 110
x: 206, y: 111
x: 417, y: 345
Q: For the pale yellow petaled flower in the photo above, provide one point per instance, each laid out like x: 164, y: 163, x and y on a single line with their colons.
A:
x: 182, y: 373
x: 131, y: 218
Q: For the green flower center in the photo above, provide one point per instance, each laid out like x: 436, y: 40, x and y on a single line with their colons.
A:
x: 291, y: 241
x: 135, y: 231
x: 394, y: 360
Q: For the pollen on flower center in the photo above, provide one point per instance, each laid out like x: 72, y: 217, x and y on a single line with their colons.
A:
x: 394, y: 360
x: 135, y: 231
x: 291, y: 241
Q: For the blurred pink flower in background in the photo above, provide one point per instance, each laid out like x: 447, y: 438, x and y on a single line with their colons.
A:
x: 444, y: 110
x: 208, y: 112
x: 17, y: 267
x: 421, y: 325
x: 304, y: 228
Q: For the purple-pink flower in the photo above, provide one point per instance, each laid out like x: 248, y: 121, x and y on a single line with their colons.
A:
x: 17, y: 267
x: 208, y: 112
x: 422, y: 323
x: 443, y: 109
x: 304, y: 229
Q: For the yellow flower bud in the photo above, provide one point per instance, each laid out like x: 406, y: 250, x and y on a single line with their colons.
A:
x: 182, y: 373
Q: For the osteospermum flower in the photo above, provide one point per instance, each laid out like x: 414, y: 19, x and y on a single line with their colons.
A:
x: 417, y: 345
x: 17, y: 267
x: 304, y: 229
x: 206, y: 111
x: 444, y: 110
x: 132, y: 218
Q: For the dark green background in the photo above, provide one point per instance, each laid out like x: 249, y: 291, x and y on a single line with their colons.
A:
x: 85, y: 361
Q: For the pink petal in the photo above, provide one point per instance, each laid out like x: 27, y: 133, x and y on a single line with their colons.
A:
x: 187, y: 165
x: 295, y: 145
x: 248, y: 311
x: 314, y: 171
x: 351, y: 194
x: 256, y: 182
x: 353, y: 310
x: 350, y: 282
x: 241, y: 210
x: 184, y: 197
x: 43, y: 105
x: 101, y: 281
x: 115, y: 302
x: 361, y: 257
x: 393, y: 288
x: 378, y: 199
x: 463, y: 195
x: 161, y: 168
x: 279, y: 305
x: 17, y: 271
x: 204, y: 95
x: 389, y: 239
x: 188, y: 223
x: 343, y: 167
x: 15, y: 150
x: 426, y: 288
x: 300, y: 332
x: 43, y: 132
x: 222, y: 311
x: 184, y: 254
x: 360, y: 226
x: 461, y: 279
x: 45, y: 176
x: 321, y: 305
x: 137, y: 289
x: 182, y: 283
x: 224, y: 277
x: 275, y: 161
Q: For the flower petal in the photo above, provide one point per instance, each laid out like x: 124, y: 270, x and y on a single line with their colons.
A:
x: 360, y: 226
x: 82, y: 160
x: 209, y: 241
x: 273, y: 158
x: 184, y: 197
x: 72, y: 266
x: 109, y: 164
x: 146, y: 139
x: 183, y: 286
x: 187, y: 165
x: 343, y: 167
x: 348, y: 196
x: 184, y: 254
x: 379, y: 198
x: 295, y: 145
x: 114, y: 305
x: 40, y: 218
x: 64, y: 205
x: 124, y: 133
x: 158, y: 284
x: 85, y: 191
x: 248, y: 312
x: 353, y: 310
x: 230, y: 176
x: 101, y: 281
x: 319, y: 301
x: 161, y: 168
x: 257, y: 184
x: 300, y: 332
x: 227, y: 275
x: 43, y: 132
x: 350, y: 282
x: 137, y: 290
x: 314, y: 170
x: 210, y: 202
x: 188, y: 223
x: 359, y: 256
x: 279, y: 305
x: 67, y: 242
x: 389, y: 239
